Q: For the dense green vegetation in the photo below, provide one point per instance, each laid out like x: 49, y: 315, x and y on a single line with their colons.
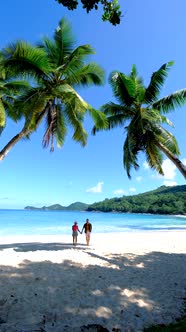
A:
x: 164, y: 200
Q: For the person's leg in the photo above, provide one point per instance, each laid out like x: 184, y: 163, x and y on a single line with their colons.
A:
x: 88, y: 238
x: 86, y: 235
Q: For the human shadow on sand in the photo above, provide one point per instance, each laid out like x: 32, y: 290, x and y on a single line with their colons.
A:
x: 35, y: 246
x: 127, y: 291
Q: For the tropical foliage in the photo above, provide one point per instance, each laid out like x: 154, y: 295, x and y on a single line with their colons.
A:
x: 111, y: 9
x: 142, y: 115
x: 164, y: 200
x: 56, y: 69
x: 9, y: 89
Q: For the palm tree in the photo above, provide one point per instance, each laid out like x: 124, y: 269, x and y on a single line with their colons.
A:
x: 142, y: 114
x: 55, y: 69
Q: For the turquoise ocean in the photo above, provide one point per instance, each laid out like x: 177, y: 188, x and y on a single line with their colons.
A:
x: 26, y: 222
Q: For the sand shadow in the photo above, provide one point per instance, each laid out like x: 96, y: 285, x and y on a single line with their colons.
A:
x: 35, y: 246
x: 128, y: 291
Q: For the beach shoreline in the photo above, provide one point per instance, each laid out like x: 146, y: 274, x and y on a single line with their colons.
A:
x: 126, y: 281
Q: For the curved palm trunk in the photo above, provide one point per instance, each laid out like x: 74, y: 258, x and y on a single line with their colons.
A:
x: 173, y: 158
x: 24, y: 132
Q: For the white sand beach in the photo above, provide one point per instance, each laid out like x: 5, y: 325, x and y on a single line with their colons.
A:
x: 124, y: 281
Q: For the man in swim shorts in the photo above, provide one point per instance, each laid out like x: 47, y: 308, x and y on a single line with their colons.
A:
x: 88, y: 229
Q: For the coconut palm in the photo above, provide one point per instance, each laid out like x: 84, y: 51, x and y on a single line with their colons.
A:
x: 56, y: 69
x: 142, y: 115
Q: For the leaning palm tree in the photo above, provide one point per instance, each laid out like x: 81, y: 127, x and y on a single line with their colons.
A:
x: 56, y: 69
x: 142, y: 115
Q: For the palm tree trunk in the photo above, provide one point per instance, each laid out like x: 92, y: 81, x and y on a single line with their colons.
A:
x: 181, y: 167
x: 24, y: 132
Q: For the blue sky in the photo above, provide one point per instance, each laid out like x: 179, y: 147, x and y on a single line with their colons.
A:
x: 150, y: 34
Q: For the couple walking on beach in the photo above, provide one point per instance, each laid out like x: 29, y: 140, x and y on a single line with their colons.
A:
x: 87, y: 227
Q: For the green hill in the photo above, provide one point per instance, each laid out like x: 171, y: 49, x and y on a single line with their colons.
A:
x: 77, y: 206
x: 163, y: 200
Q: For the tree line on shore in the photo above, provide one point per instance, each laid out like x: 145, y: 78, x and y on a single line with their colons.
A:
x: 164, y: 200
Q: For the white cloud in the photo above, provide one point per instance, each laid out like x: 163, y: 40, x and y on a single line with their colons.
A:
x: 170, y: 183
x: 138, y: 178
x: 169, y: 169
x: 145, y: 165
x: 118, y: 192
x: 183, y: 161
x: 96, y: 189
x: 132, y: 189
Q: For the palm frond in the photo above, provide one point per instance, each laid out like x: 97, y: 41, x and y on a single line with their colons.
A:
x: 33, y: 124
x: 64, y: 40
x: 99, y: 118
x: 156, y: 82
x: 55, y: 126
x: 74, y: 118
x: 8, y: 104
x: 171, y: 102
x: 2, y: 114
x: 16, y: 87
x: 49, y: 46
x: 75, y: 61
x: 86, y: 75
x: 129, y: 155
x: 116, y: 117
x: 33, y: 100
x: 51, y: 125
x: 24, y: 59
x: 154, y: 156
x: 82, y: 52
x: 61, y: 129
x: 151, y: 115
x: 134, y: 72
x: 115, y: 121
x: 138, y: 84
x: 75, y: 109
x: 123, y: 88
x: 114, y: 109
x: 167, y: 139
x: 69, y: 96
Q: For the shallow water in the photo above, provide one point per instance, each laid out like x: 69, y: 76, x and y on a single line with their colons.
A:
x: 25, y: 222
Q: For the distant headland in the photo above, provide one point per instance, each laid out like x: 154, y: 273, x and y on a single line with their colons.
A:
x: 77, y: 206
x: 163, y: 200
